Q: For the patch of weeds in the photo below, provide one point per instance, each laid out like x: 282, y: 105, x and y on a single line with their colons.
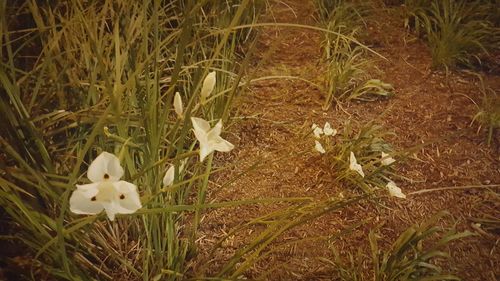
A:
x: 359, y: 158
x: 345, y: 71
x: 409, y: 258
x: 87, y: 77
x: 346, y: 77
x: 457, y: 32
x: 348, y: 268
x: 488, y: 114
x: 414, y: 255
x: 415, y: 11
x: 342, y: 17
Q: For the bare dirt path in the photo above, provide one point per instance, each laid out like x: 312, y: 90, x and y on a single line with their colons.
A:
x: 427, y: 106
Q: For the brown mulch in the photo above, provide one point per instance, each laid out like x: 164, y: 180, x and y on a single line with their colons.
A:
x: 430, y: 107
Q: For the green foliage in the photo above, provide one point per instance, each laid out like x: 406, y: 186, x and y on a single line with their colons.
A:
x: 409, y: 258
x: 488, y: 114
x: 415, y: 255
x: 346, y: 78
x: 92, y: 76
x: 416, y: 11
x: 350, y: 270
x: 367, y: 143
x: 345, y: 72
x: 342, y: 16
x: 457, y: 31
x: 326, y: 7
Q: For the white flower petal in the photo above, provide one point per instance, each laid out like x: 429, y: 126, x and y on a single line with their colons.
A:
x: 319, y: 147
x: 201, y: 136
x: 386, y: 160
x: 169, y: 177
x: 105, y: 165
x: 327, y: 129
x: 215, y: 131
x: 208, y: 85
x: 125, y: 187
x: 79, y: 203
x: 353, y: 165
x: 317, y: 132
x: 222, y: 145
x: 88, y: 190
x: 205, y: 150
x: 178, y: 105
x: 119, y: 198
x: 200, y: 124
x: 128, y: 199
x: 111, y: 209
x: 115, y: 207
x: 394, y: 190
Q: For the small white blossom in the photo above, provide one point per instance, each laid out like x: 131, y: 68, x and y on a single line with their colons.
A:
x: 353, y: 165
x: 106, y: 192
x: 328, y: 131
x: 386, y: 159
x: 208, y: 85
x: 319, y: 147
x: 209, y: 138
x: 178, y: 105
x: 394, y: 190
x: 317, y: 131
x: 168, y: 179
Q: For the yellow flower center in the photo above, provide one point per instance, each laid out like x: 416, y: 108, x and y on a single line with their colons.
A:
x: 107, y: 192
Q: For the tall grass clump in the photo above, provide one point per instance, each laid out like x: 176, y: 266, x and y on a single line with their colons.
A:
x: 488, y: 111
x: 459, y: 33
x: 344, y: 17
x: 346, y: 62
x: 416, y: 254
x: 80, y: 78
x: 415, y: 13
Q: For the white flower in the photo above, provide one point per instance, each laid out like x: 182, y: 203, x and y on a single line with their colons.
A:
x: 317, y: 131
x: 106, y: 192
x: 394, y: 190
x: 386, y: 159
x: 209, y: 138
x: 353, y: 165
x: 168, y: 179
x: 208, y: 85
x: 327, y: 129
x: 178, y: 105
x: 319, y: 147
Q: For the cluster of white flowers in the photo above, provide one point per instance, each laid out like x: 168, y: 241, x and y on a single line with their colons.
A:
x: 107, y: 192
x: 385, y: 159
x: 327, y: 130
